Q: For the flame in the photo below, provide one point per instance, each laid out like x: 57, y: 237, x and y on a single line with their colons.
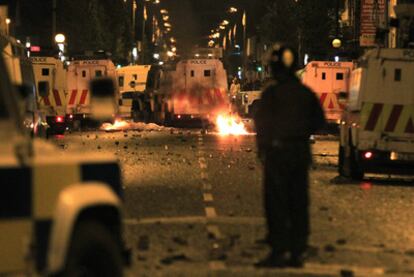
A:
x: 230, y: 125
x: 117, y: 125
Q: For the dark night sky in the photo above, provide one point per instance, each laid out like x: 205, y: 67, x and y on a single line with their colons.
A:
x: 192, y: 19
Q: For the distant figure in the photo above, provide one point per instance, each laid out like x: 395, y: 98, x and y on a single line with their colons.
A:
x: 287, y: 115
x: 234, y: 87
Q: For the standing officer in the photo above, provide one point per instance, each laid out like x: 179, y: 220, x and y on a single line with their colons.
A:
x: 288, y: 114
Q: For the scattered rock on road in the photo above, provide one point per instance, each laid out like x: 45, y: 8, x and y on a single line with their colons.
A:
x: 180, y: 241
x: 143, y: 243
x: 176, y: 258
x: 341, y: 241
x: 329, y: 248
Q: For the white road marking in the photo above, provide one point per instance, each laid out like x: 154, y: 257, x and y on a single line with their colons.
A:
x: 207, y: 187
x: 208, y: 197
x: 216, y: 265
x: 210, y: 212
x: 215, y: 230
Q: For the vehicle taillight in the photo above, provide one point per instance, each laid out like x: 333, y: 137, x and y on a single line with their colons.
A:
x: 368, y: 155
x: 59, y: 119
x: 71, y: 116
x: 179, y: 116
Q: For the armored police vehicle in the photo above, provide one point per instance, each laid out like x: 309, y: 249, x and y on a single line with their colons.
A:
x: 377, y: 130
x: 59, y: 213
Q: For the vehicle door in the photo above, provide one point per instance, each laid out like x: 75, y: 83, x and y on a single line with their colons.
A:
x: 340, y: 87
x: 16, y: 226
x: 84, y: 75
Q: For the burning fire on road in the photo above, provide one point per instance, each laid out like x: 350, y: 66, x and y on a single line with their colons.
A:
x: 117, y: 125
x: 230, y: 125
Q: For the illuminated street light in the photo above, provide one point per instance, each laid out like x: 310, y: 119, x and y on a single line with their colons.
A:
x: 163, y: 11
x: 233, y: 10
x: 8, y: 21
x: 211, y: 43
x: 166, y: 24
x: 216, y: 35
x: 222, y: 27
x: 60, y: 41
x: 157, y: 1
x: 165, y: 17
x: 174, y: 49
x: 336, y: 43
x: 225, y: 23
x: 60, y: 38
x: 170, y: 54
x: 173, y: 40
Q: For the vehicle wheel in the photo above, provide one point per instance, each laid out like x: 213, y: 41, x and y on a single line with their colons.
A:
x: 355, y: 172
x: 341, y: 159
x: 135, y: 115
x: 159, y: 115
x: 94, y: 251
x: 253, y: 108
x: 168, y: 121
x: 77, y: 125
x: 146, y: 113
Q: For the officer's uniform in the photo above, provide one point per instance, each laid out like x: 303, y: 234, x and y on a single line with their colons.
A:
x: 288, y: 114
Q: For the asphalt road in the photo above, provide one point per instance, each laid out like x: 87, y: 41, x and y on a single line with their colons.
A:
x: 193, y: 207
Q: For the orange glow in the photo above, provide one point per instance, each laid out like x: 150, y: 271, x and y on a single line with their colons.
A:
x: 230, y: 125
x: 118, y: 125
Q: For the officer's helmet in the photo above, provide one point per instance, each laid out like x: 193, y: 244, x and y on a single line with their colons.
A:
x: 282, y: 60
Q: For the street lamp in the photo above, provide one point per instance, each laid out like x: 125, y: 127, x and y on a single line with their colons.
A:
x: 60, y: 41
x: 8, y: 21
x: 336, y: 43
x: 233, y: 10
x: 225, y: 22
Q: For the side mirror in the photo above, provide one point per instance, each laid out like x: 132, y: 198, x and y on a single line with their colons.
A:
x: 103, y: 102
x: 44, y: 88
